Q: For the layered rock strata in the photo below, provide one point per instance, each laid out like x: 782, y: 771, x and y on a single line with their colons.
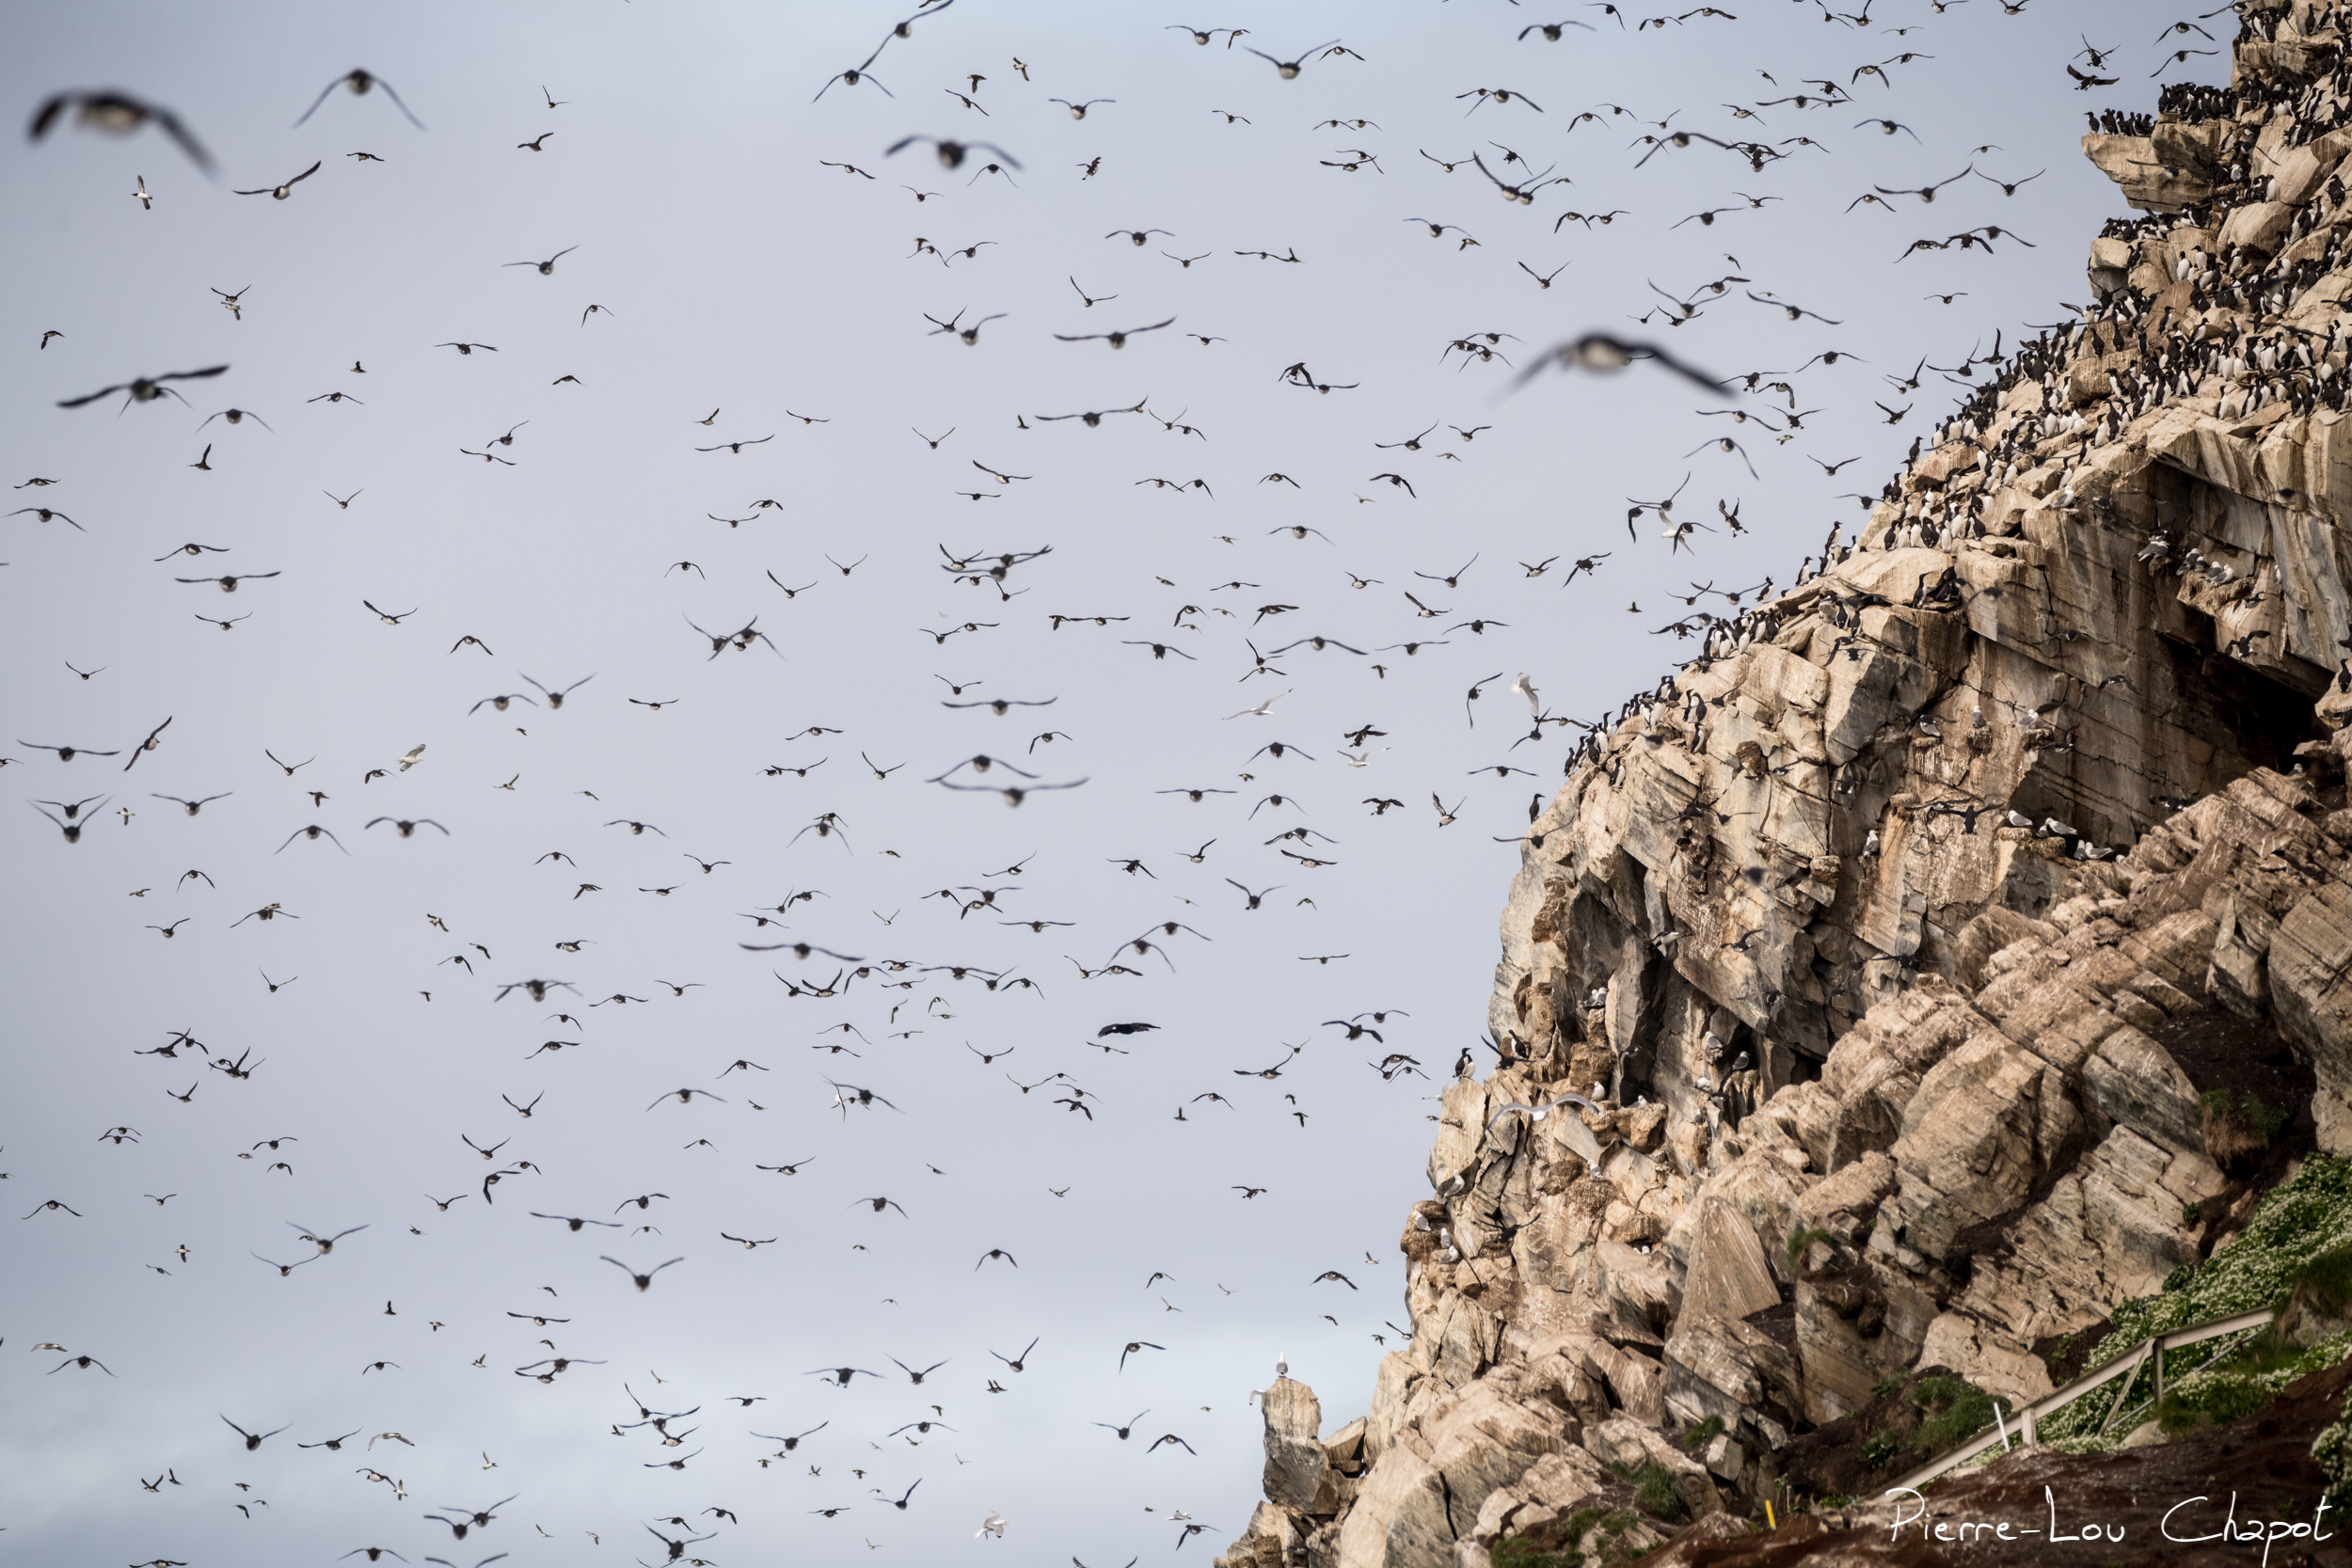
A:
x: 1896, y: 936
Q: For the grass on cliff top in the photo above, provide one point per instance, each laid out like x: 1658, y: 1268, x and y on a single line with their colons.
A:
x: 2299, y: 1236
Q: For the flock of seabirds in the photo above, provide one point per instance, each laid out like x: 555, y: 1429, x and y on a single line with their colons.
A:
x: 1761, y: 404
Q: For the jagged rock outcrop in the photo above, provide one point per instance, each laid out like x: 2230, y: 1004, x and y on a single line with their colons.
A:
x: 1893, y: 935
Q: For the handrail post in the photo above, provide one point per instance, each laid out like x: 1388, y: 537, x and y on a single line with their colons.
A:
x: 2124, y: 1392
x: 2124, y: 1372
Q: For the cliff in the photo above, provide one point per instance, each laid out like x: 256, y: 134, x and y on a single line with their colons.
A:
x: 1954, y: 954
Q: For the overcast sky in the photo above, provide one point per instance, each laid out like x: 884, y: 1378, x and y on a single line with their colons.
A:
x: 745, y: 288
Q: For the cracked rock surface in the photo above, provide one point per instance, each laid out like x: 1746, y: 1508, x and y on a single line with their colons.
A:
x: 1884, y: 933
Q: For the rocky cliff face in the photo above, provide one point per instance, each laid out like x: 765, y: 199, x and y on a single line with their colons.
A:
x: 1903, y: 941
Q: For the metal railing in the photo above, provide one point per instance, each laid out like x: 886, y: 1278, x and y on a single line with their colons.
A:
x: 2127, y: 1368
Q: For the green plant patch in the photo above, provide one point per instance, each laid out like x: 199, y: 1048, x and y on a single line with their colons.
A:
x: 2221, y: 1397
x: 1659, y: 1491
x: 1940, y: 1388
x: 2325, y: 1279
x: 1581, y: 1521
x: 1604, y: 1526
x: 1801, y: 1241
x: 1512, y: 1552
x: 2333, y: 1451
x: 2238, y: 1129
x: 1967, y: 1410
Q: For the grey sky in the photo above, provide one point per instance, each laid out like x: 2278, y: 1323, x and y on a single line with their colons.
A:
x: 738, y: 274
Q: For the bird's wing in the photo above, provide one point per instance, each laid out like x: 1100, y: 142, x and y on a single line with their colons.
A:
x: 1578, y: 1136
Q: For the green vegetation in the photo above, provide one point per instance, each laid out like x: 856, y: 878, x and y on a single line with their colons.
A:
x: 1512, y: 1552
x: 1703, y: 1432
x: 2261, y: 1121
x: 1954, y: 1411
x: 1951, y: 1411
x: 1885, y: 1388
x: 2223, y: 1397
x: 2236, y: 1132
x: 1939, y: 1388
x: 2332, y: 1450
x: 1581, y: 1520
x: 2240, y: 1384
x: 1607, y: 1524
x: 2293, y: 1222
x: 2192, y: 1214
x: 1657, y: 1490
x: 2324, y: 1282
x: 1801, y: 1241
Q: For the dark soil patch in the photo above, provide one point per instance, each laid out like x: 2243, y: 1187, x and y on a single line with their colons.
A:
x: 2220, y: 1050
x: 2226, y: 1211
x: 1779, y: 1322
x: 2262, y: 1459
x: 2223, y: 1053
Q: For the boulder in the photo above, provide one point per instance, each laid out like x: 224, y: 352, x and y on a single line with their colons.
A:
x: 1730, y: 1274
x: 1400, y: 1518
x: 1552, y: 1488
x: 1845, y: 1203
x: 2311, y: 976
x: 1843, y: 1350
x: 1727, y: 1367
x: 2258, y: 227
x: 1422, y: 1494
x: 1968, y: 1149
x: 1627, y: 1445
x: 2300, y: 171
x: 1988, y: 1359
x: 1296, y: 1467
x: 1645, y: 1286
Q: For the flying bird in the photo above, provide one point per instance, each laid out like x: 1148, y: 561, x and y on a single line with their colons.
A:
x: 1602, y: 353
x: 117, y: 113
x: 361, y: 83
